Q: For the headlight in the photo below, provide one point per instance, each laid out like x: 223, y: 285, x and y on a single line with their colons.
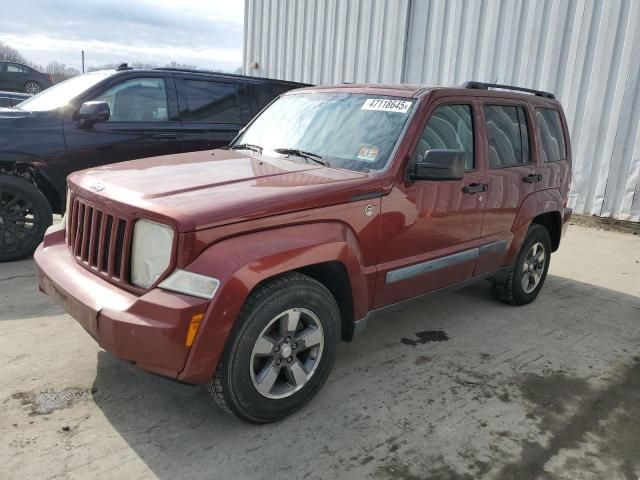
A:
x: 191, y: 283
x: 150, y: 252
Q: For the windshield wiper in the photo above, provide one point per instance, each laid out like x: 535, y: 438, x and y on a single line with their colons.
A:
x: 246, y: 146
x: 301, y: 153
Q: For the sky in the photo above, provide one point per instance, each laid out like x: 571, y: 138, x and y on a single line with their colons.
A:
x: 204, y: 33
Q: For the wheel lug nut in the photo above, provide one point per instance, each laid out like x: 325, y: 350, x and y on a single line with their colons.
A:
x: 277, y: 349
x: 290, y: 359
x: 287, y: 340
x: 278, y: 362
x: 295, y: 345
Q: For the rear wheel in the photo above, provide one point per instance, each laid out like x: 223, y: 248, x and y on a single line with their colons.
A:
x: 32, y: 88
x: 281, y: 351
x: 526, y: 278
x: 25, y: 214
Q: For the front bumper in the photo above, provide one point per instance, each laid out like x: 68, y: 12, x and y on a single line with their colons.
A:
x: 148, y: 330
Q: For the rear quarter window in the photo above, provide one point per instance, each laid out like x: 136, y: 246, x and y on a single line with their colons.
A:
x: 265, y: 93
x: 550, y: 135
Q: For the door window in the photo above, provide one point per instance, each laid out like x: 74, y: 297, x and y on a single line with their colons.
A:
x: 14, y: 68
x: 507, y: 136
x: 211, y: 102
x: 550, y: 134
x: 137, y: 100
x: 449, y: 128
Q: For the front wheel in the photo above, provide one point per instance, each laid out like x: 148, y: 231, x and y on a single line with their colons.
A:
x: 25, y: 214
x: 525, y: 279
x: 281, y: 350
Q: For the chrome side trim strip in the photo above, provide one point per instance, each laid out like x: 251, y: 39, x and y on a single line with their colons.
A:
x: 443, y: 262
x: 494, y: 247
x: 430, y: 266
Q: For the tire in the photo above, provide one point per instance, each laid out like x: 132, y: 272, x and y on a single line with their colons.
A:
x: 241, y: 383
x: 32, y: 88
x: 25, y: 214
x: 513, y: 288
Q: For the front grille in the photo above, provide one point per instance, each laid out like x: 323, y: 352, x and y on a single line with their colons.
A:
x: 99, y: 240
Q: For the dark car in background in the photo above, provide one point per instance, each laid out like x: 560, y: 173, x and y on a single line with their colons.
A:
x: 22, y: 78
x: 106, y: 117
x: 11, y: 99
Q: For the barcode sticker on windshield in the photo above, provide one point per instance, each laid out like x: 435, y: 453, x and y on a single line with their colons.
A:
x: 386, y: 105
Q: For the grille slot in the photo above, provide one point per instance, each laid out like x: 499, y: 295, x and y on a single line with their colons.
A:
x: 100, y: 240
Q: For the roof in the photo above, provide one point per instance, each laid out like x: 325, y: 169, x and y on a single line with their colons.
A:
x: 475, y: 89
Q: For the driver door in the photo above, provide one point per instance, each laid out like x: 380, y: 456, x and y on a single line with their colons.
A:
x: 431, y: 229
x: 143, y: 123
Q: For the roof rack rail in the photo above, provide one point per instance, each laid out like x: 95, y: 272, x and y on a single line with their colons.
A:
x: 223, y: 74
x: 487, y: 86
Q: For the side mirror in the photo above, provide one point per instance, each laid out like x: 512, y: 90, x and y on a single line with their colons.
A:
x: 92, y: 113
x: 439, y: 165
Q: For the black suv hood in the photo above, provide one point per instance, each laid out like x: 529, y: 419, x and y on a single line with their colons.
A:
x: 6, y: 112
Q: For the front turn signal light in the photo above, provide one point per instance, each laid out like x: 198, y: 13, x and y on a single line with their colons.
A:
x: 194, y: 324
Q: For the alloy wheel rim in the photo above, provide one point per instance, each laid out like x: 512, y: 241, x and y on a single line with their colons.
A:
x: 287, y: 353
x: 32, y: 88
x: 18, y: 221
x: 533, y: 267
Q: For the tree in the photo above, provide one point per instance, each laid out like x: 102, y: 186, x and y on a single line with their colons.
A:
x: 10, y: 54
x: 60, y: 72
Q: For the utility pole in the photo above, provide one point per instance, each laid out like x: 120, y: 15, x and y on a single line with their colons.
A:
x: 83, y: 61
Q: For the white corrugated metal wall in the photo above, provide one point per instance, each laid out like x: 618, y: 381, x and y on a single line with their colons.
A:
x: 585, y: 51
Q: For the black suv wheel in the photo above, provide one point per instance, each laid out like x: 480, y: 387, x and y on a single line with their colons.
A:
x: 281, y: 351
x: 25, y: 214
x: 524, y: 281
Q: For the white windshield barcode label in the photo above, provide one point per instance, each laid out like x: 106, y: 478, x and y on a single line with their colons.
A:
x: 386, y: 105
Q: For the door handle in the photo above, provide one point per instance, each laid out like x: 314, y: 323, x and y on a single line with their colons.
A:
x: 164, y: 136
x: 532, y: 178
x: 475, y: 188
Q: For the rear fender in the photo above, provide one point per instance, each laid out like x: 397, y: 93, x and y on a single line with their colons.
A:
x: 241, y: 263
x: 537, y: 203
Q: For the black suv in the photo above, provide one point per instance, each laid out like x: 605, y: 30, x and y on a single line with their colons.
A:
x: 106, y: 117
x: 15, y: 76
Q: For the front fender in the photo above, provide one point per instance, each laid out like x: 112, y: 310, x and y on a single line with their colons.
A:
x: 537, y: 203
x: 241, y: 263
x: 35, y: 169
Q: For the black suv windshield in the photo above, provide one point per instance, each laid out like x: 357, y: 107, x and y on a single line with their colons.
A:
x: 61, y: 93
x: 352, y: 131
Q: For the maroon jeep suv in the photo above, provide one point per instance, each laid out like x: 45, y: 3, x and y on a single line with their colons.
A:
x: 244, y: 267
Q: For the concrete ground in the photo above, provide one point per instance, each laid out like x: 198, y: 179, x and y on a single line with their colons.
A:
x: 546, y: 391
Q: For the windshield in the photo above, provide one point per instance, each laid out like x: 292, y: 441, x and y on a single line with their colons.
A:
x: 352, y: 131
x: 61, y: 93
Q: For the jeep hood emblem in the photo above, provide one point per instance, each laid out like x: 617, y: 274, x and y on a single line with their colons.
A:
x: 97, y: 186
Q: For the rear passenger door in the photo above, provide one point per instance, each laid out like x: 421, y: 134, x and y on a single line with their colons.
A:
x: 512, y: 174
x: 212, y: 111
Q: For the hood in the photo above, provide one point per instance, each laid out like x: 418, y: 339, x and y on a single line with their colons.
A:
x: 204, y: 189
x: 8, y: 112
